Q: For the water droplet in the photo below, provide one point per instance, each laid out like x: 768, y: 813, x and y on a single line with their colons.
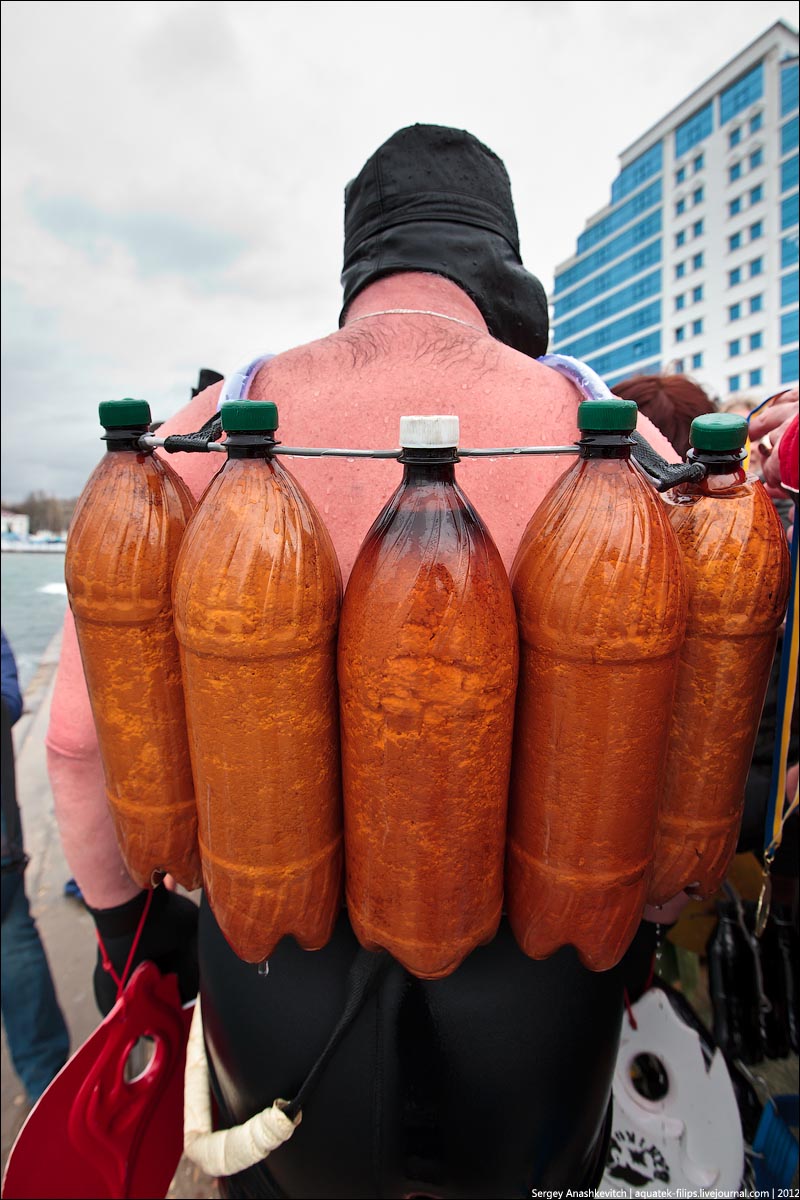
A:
x: 263, y: 968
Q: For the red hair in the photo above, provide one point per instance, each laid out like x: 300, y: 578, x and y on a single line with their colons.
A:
x: 671, y: 402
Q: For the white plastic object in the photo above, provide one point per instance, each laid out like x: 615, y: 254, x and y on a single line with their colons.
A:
x: 227, y: 1151
x: 428, y: 433
x: 691, y: 1138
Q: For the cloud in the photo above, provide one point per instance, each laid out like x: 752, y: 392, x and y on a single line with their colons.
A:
x: 160, y: 243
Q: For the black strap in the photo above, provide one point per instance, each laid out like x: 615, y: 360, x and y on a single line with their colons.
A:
x: 366, y: 970
x: 664, y: 475
x: 197, y: 442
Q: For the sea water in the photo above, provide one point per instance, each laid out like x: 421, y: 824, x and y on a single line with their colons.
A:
x: 34, y: 598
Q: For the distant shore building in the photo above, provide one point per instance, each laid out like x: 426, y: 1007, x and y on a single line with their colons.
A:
x: 15, y: 524
x: 693, y: 266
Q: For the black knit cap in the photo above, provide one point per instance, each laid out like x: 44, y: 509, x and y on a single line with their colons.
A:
x: 437, y: 200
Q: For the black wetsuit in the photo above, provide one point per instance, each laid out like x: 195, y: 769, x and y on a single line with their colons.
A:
x: 488, y: 1083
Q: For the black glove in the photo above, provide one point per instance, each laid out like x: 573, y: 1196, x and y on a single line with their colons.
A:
x: 168, y: 938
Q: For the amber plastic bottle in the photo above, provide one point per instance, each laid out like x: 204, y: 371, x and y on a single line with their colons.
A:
x: 737, y: 572
x: 601, y: 602
x: 257, y: 594
x: 427, y: 675
x: 121, y: 552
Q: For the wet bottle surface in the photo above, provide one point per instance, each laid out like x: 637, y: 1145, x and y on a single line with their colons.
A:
x: 121, y: 553
x: 737, y: 572
x: 257, y: 594
x: 427, y: 676
x: 601, y: 603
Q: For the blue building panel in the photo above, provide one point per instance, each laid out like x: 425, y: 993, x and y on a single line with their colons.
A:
x: 789, y: 86
x: 617, y: 302
x: 789, y: 136
x: 696, y: 127
x: 789, y: 327
x: 651, y: 368
x: 789, y: 250
x: 789, y: 211
x: 743, y: 92
x: 641, y: 232
x: 789, y: 173
x: 632, y: 352
x: 614, y: 331
x: 627, y: 212
x: 789, y: 365
x: 790, y: 289
x: 636, y: 173
x: 626, y: 269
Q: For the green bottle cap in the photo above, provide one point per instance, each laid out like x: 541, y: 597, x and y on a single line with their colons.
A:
x: 122, y: 414
x: 249, y: 416
x: 718, y: 431
x: 607, y: 416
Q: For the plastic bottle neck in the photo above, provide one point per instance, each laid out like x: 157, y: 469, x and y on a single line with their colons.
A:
x: 605, y: 445
x: 724, y: 469
x: 251, y: 444
x: 429, y: 466
x: 126, y: 439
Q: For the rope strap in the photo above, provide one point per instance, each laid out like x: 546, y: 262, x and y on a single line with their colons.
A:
x: 121, y: 980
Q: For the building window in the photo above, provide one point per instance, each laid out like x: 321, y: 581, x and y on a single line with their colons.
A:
x: 697, y: 196
x: 698, y: 126
x: 789, y: 364
x: 734, y: 206
x: 698, y: 163
x: 734, y: 277
x: 697, y: 327
x: 733, y: 383
x: 697, y: 229
x: 697, y: 360
x: 789, y: 251
x: 734, y: 137
x: 756, y: 303
x: 697, y: 261
x: 756, y: 267
x: 680, y: 270
x: 680, y: 238
x: 680, y: 207
x: 697, y: 294
x: 789, y: 173
x: 680, y: 333
x: 734, y: 172
x: 756, y: 231
x: 756, y: 377
x: 756, y: 122
x: 742, y: 93
x: 734, y: 312
x: 756, y: 340
x: 679, y: 366
x: 680, y: 301
x: 788, y: 327
x: 790, y: 289
x: 757, y: 194
x: 789, y: 136
x: 789, y: 81
x: 734, y: 241
x: 734, y: 348
x: 789, y: 211
x: 680, y: 175
x: 756, y: 159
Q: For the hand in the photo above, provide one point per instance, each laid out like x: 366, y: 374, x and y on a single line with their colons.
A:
x: 168, y: 938
x: 766, y: 430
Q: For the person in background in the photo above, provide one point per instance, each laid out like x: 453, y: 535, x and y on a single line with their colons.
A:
x: 35, y: 1029
x: 496, y: 1079
x: 671, y: 402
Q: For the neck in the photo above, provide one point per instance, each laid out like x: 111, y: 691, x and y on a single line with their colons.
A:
x: 417, y: 291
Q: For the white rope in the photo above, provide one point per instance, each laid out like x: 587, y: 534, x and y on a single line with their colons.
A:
x: 227, y: 1151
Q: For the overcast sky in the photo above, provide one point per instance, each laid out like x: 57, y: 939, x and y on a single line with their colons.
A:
x: 173, y: 171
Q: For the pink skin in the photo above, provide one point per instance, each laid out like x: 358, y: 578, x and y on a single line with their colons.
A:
x: 506, y: 399
x: 773, y: 421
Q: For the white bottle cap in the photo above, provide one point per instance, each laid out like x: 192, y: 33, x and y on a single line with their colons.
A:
x: 428, y: 433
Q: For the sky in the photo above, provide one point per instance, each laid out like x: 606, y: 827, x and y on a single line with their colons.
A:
x: 173, y: 171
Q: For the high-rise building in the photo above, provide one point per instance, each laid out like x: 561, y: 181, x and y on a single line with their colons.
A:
x: 693, y: 265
